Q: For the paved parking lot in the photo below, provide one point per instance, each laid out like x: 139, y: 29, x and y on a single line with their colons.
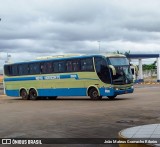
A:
x: 78, y: 117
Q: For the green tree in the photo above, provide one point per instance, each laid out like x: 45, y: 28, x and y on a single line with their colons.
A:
x: 150, y: 66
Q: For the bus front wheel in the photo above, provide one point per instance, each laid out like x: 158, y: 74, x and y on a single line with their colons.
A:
x: 33, y: 94
x: 94, y: 95
x: 24, y: 94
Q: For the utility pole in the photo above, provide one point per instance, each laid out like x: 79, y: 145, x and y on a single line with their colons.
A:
x: 8, y: 58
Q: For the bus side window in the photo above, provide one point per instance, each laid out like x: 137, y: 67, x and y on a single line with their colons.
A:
x: 50, y: 67
x: 102, y: 70
x: 55, y: 67
x: 14, y: 70
x: 46, y: 67
x: 7, y: 70
x: 69, y: 66
x: 83, y: 65
x: 23, y: 69
x: 87, y: 64
x: 76, y: 65
x: 59, y: 66
x: 34, y: 68
x: 62, y: 66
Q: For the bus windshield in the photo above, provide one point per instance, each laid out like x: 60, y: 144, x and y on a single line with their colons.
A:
x: 123, y: 71
x: 116, y: 61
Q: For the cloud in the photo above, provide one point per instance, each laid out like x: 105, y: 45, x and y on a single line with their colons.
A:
x: 43, y: 27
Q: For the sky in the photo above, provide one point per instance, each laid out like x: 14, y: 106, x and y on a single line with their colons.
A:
x: 34, y: 28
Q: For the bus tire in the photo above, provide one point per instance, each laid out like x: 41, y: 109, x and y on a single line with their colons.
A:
x: 94, y: 95
x: 112, y: 97
x: 33, y: 94
x: 24, y: 94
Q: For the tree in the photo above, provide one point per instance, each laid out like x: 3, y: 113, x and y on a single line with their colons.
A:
x: 150, y: 66
x: 125, y: 53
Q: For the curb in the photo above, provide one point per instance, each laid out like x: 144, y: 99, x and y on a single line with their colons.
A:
x: 148, y: 83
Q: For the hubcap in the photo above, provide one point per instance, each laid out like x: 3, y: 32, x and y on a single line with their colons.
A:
x: 23, y: 94
x: 95, y: 94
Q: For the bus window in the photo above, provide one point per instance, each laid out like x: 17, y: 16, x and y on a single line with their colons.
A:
x: 34, y: 68
x: 14, y: 70
x: 62, y: 66
x: 132, y: 69
x: 102, y: 70
x: 87, y: 64
x: 46, y: 68
x: 76, y: 65
x: 7, y: 70
x: 23, y: 69
x: 55, y: 67
x: 59, y: 66
x: 69, y: 66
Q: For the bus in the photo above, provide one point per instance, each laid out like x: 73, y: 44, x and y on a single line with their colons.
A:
x: 96, y: 76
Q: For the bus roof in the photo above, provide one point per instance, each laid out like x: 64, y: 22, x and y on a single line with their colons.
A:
x: 68, y: 56
x: 77, y: 55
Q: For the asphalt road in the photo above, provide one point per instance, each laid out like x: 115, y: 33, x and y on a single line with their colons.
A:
x: 78, y: 117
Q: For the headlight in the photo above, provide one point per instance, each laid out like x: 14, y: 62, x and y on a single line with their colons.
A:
x: 117, y: 88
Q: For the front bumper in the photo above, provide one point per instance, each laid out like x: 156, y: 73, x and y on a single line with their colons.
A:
x: 115, y: 91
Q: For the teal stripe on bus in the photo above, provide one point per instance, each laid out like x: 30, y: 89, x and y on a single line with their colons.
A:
x: 72, y: 92
x: 50, y: 77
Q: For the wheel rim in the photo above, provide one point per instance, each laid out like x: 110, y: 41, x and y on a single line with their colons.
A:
x: 95, y: 94
x: 33, y: 94
x: 24, y: 94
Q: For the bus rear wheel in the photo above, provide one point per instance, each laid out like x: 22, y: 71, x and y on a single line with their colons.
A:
x: 112, y: 97
x: 24, y: 94
x: 33, y: 94
x: 94, y: 95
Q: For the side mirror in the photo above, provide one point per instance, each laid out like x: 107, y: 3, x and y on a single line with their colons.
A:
x: 113, y: 69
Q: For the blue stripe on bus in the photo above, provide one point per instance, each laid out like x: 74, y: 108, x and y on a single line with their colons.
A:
x: 19, y: 79
x: 49, y: 77
x: 62, y: 92
x: 74, y: 76
x: 53, y: 92
x: 13, y: 93
x: 72, y: 92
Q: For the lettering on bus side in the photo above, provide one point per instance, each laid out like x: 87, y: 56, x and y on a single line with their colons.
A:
x: 39, y: 78
x: 56, y: 77
x: 51, y: 77
x: 74, y: 76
